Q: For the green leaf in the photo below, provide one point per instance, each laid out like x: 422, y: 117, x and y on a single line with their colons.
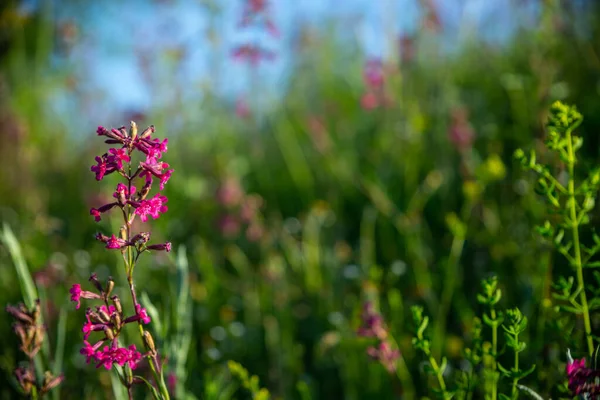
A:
x: 28, y: 288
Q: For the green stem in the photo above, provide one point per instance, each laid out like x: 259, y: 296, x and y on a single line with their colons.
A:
x: 494, y: 353
x: 450, y: 281
x: 515, y: 391
x: 438, y: 374
x: 574, y: 222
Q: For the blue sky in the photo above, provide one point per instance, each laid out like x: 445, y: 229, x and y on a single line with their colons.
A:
x: 113, y: 34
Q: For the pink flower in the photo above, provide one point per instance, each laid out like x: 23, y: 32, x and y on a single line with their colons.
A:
x: 115, y: 243
x: 251, y: 53
x: 118, y: 156
x: 133, y: 357
x: 241, y: 108
x: 152, y: 167
x: 154, y: 207
x: 89, y: 351
x: 142, y: 314
x: 99, y: 168
x: 76, y: 294
x: 105, y: 358
x: 372, y: 323
x: 87, y: 328
x: 96, y: 214
x: 369, y: 101
x: 385, y: 354
x: 373, y: 74
x: 575, y: 366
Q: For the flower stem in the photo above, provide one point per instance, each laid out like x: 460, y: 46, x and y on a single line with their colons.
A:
x: 574, y: 223
x: 494, y: 353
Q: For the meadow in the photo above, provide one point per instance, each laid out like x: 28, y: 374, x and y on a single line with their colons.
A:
x: 415, y: 225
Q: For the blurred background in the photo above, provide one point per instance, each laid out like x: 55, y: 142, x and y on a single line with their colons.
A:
x: 326, y: 153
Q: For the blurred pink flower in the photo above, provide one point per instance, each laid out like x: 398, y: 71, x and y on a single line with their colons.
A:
x: 230, y: 193
x: 242, y: 110
x: 229, y: 226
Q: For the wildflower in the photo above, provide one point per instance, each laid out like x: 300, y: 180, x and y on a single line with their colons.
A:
x: 582, y: 380
x: 385, y: 354
x: 372, y: 323
x: 142, y: 314
x: 154, y: 207
x: 77, y: 294
x: 96, y: 212
x: 115, y: 243
x: 252, y: 54
x: 108, y: 318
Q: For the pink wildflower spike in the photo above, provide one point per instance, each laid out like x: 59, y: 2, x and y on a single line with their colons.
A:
x: 142, y: 314
x: 115, y: 243
x: 76, y: 294
x: 154, y: 207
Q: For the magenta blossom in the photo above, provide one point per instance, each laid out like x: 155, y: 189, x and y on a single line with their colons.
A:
x: 153, y: 207
x: 115, y: 243
x: 142, y: 314
x: 76, y: 294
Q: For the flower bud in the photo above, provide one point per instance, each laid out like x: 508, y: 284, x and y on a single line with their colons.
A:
x: 160, y: 247
x: 51, y: 381
x: 149, y: 342
x: 110, y: 285
x: 117, y: 319
x: 123, y: 232
x: 102, y: 316
x: 117, y: 303
x: 109, y: 333
x: 95, y: 281
x: 133, y: 131
x: 147, y: 132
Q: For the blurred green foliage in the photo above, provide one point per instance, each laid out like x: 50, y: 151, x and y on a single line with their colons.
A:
x: 347, y: 205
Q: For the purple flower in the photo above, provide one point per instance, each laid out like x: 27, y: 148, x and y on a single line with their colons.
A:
x: 142, y: 314
x: 89, y: 351
x: 372, y: 323
x: 76, y: 294
x: 115, y: 243
x: 118, y: 156
x: 385, y: 354
x: 154, y: 207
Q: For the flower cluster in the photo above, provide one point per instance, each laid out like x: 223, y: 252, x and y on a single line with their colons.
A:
x: 257, y: 11
x: 30, y: 331
x: 255, y: 14
x: 240, y: 210
x: 108, y: 319
x: 582, y: 380
x: 126, y: 196
x: 373, y: 326
x: 374, y: 79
